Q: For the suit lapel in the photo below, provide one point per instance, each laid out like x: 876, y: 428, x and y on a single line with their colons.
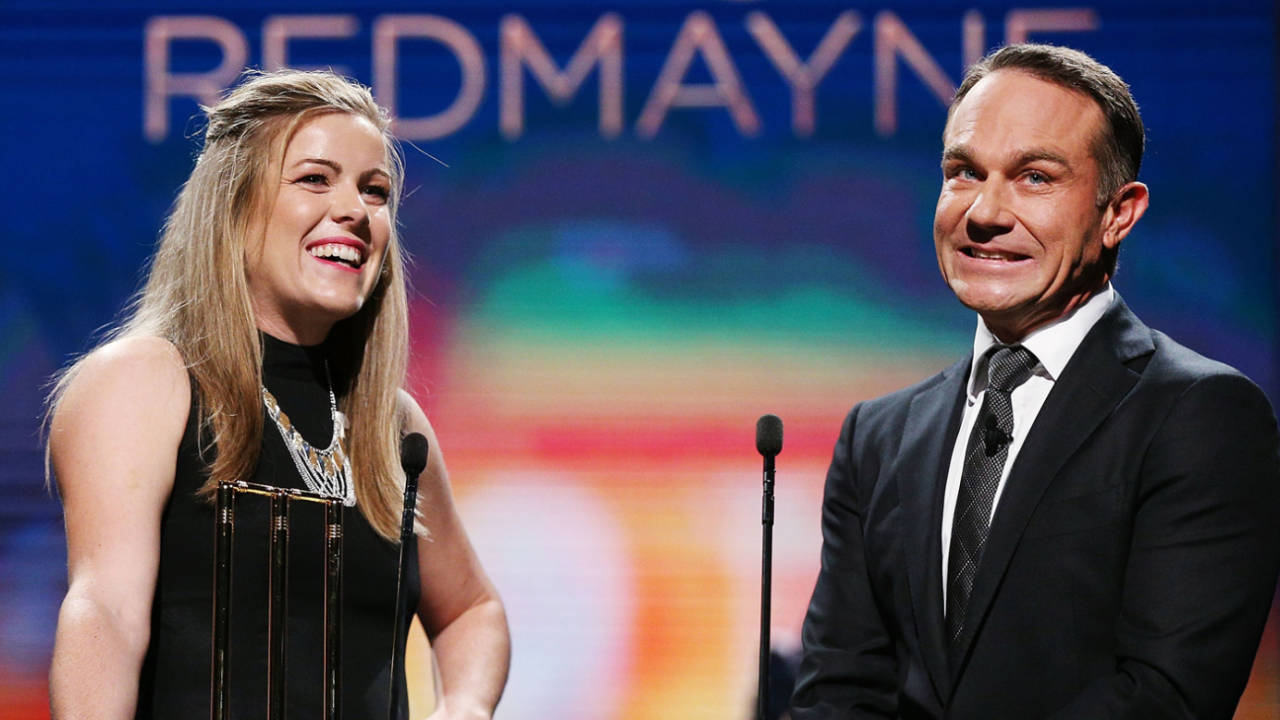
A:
x: 1092, y: 384
x: 921, y: 475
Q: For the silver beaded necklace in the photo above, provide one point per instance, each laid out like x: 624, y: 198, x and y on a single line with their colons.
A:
x: 327, y: 471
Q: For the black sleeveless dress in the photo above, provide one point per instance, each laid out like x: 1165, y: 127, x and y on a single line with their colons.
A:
x: 175, y: 678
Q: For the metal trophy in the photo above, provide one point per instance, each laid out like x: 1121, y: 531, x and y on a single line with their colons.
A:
x: 413, y: 458
x: 277, y: 597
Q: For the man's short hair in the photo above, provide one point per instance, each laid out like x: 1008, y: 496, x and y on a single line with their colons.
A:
x: 1118, y: 150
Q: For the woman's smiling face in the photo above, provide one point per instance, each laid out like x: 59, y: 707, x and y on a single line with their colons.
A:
x: 326, y: 234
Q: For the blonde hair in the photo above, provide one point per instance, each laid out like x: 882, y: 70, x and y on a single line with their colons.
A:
x: 196, y: 295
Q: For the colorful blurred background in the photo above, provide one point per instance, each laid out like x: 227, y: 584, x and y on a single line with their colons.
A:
x: 637, y: 227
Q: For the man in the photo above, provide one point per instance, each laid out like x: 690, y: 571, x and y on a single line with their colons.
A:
x: 1079, y: 520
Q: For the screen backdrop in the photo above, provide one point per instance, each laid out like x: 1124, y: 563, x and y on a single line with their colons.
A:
x: 637, y: 226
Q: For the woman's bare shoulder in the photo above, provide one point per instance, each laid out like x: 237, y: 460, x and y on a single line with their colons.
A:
x: 412, y: 417
x: 142, y: 358
x: 132, y: 379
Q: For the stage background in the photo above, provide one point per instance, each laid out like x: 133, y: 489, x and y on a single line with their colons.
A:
x: 611, y: 287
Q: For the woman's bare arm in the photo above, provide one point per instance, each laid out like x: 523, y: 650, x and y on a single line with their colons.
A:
x: 113, y: 442
x: 459, y: 607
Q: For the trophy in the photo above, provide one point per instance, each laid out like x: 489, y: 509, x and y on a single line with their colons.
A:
x: 413, y: 459
x: 277, y: 596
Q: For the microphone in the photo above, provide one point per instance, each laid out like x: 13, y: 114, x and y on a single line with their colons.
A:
x: 768, y: 444
x: 413, y: 460
x: 769, y: 437
x: 994, y: 437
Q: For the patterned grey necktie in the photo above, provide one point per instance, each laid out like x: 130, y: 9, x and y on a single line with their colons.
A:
x: 1008, y: 367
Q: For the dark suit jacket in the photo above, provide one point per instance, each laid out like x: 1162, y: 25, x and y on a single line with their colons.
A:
x: 1130, y: 564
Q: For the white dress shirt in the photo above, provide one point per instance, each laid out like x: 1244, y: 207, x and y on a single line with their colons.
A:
x: 1053, y: 345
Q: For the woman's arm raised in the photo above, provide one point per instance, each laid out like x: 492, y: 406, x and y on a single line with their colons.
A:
x: 113, y: 442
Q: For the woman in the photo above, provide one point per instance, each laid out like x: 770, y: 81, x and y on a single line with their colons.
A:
x: 275, y: 308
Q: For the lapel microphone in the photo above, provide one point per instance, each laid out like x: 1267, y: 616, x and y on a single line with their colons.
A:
x: 413, y: 460
x: 769, y: 444
x: 993, y: 436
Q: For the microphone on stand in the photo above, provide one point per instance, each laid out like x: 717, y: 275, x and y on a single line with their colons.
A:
x: 769, y: 444
x: 413, y: 459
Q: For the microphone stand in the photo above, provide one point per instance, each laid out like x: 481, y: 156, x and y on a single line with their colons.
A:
x: 413, y: 457
x: 766, y: 587
x: 769, y: 444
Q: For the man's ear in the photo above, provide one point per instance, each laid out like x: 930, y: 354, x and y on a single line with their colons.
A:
x: 1123, y: 212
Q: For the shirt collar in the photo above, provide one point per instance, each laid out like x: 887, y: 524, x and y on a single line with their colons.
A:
x: 1052, y: 344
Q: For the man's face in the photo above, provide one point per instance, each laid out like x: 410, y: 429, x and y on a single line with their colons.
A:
x: 1017, y: 229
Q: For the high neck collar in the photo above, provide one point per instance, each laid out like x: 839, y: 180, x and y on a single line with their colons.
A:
x: 301, y: 362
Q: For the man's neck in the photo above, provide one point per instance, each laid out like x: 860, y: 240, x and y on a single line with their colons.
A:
x: 1053, y: 342
x: 1017, y: 328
